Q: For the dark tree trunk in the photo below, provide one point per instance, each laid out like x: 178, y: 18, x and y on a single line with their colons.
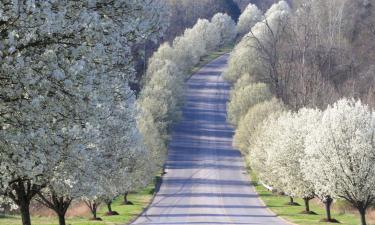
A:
x: 58, y: 204
x: 93, y: 205
x: 94, y: 209
x: 291, y: 200
x: 25, y: 213
x: 362, y: 207
x: 363, y: 216
x: 328, y: 202
x: 21, y: 192
x: 126, y: 201
x: 61, y: 219
x: 307, y: 204
x: 109, y: 205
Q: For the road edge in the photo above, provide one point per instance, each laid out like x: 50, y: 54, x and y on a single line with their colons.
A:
x: 266, y: 207
x: 158, y: 184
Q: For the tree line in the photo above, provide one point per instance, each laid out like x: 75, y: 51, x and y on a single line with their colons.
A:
x: 68, y: 127
x: 72, y: 129
x: 162, y: 94
x: 297, y: 123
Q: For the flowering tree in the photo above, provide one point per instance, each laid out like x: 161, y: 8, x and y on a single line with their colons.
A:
x: 71, y: 172
x: 249, y: 17
x: 287, y: 149
x: 159, y: 105
x: 50, y: 65
x: 164, y: 54
x: 162, y: 96
x: 208, y: 34
x: 243, y: 99
x: 139, y: 175
x: 259, y: 151
x: 259, y: 47
x: 226, y: 27
x: 238, y: 62
x: 340, y: 154
x: 247, y: 126
x: 189, y: 48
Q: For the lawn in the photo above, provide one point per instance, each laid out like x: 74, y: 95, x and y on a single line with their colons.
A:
x: 293, y: 214
x: 127, y: 212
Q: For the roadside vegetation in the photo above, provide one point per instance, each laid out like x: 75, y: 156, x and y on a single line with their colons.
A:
x: 72, y: 129
x: 300, y: 127
x: 210, y: 57
x: 139, y: 201
x: 278, y: 204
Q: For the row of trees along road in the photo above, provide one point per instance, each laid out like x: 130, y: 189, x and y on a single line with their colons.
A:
x: 67, y: 115
x: 295, y: 133
x: 161, y: 98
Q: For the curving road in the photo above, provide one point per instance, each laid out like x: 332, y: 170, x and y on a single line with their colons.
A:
x: 205, y: 180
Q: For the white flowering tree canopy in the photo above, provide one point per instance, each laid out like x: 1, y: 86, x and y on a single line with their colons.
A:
x: 162, y: 95
x: 287, y: 149
x: 165, y: 53
x: 281, y: 6
x: 340, y: 154
x: 159, y: 105
x: 250, y: 16
x: 251, y: 53
x: 226, y: 27
x: 247, y: 126
x: 58, y: 66
x: 241, y: 100
x: 259, y: 151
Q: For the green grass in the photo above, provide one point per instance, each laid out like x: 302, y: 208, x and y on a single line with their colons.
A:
x: 277, y: 204
x: 211, y: 56
x: 127, y: 212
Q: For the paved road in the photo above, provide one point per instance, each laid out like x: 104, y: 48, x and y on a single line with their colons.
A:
x: 206, y: 182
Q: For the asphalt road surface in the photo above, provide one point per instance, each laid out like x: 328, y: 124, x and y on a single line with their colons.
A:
x: 205, y: 180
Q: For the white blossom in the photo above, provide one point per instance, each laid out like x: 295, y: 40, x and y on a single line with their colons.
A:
x: 242, y: 99
x: 249, y: 17
x: 340, y: 153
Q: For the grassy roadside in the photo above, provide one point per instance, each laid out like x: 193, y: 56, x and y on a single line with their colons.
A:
x: 276, y: 203
x: 127, y: 212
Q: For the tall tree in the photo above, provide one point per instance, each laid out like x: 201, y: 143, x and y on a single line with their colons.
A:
x: 52, y: 64
x: 340, y: 154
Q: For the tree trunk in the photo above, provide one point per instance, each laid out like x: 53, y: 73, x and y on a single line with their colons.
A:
x: 58, y: 204
x: 93, y: 210
x: 291, y: 200
x: 109, y: 207
x: 25, y: 212
x: 22, y: 193
x: 93, y: 205
x: 307, y: 205
x: 126, y: 198
x: 362, y: 212
x: 328, y: 203
x: 61, y: 219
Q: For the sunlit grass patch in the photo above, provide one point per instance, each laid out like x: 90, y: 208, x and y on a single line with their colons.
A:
x: 277, y: 204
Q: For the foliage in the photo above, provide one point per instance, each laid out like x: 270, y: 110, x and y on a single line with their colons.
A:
x: 340, y: 154
x: 243, y: 99
x: 247, y: 126
x: 249, y: 17
x: 65, y: 74
x: 162, y: 96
